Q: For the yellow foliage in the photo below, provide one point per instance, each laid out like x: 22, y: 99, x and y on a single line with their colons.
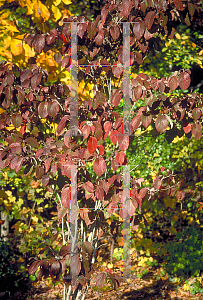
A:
x: 16, y: 47
x: 185, y: 37
x: 56, y: 12
x: 56, y: 2
x: 43, y: 10
x: 7, y: 42
x: 1, y: 110
x: 177, y: 35
x: 67, y: 2
x: 29, y: 52
x: 47, y: 61
x: 177, y: 139
x: 65, y: 77
x: 35, y: 219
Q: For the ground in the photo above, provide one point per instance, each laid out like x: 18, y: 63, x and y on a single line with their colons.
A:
x: 153, y: 286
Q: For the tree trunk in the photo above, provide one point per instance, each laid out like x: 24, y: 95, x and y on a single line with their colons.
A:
x: 5, y: 226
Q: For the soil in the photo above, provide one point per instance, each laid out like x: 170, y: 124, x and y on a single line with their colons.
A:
x: 153, y: 286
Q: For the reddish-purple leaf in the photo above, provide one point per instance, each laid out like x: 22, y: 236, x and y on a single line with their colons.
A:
x: 149, y: 98
x: 191, y: 9
x: 50, y: 39
x: 104, y: 62
x: 75, y: 265
x: 135, y: 3
x: 196, y: 113
x: 148, y: 35
x: 32, y: 142
x: 45, y: 180
x: 33, y: 268
x: 99, y: 193
x: 142, y: 193
x: 104, y: 13
x: 86, y: 131
x: 39, y: 172
x: 65, y: 250
x: 126, y: 8
x: 115, y: 32
x: 99, y: 166
x: 180, y: 195
x: 14, y: 162
x: 9, y: 79
x: 100, y: 279
x: 117, y: 70
x: 178, y: 4
x: 43, y: 109
x: 54, y: 168
x: 197, y: 131
x: 149, y: 19
x: 52, y: 108
x: 35, y: 80
x: 92, y: 30
x: 184, y: 80
x: 61, y: 126
x: 146, y: 120
x: 39, y: 43
x: 21, y: 95
x: 173, y: 83
x: 99, y: 38
x: 116, y: 97
x: 87, y: 248
x: 66, y: 197
x: 19, y: 164
x: 47, y: 163
x: 161, y: 123
x: 161, y: 86
x: 137, y: 91
x: 92, y: 144
x: 112, y: 208
x: 187, y: 127
x: 172, y: 33
x: 94, y: 52
x: 138, y: 29
x: 58, y: 57
x: 62, y: 212
x: 74, y: 284
x: 16, y: 120
x: 143, y: 7
x: 107, y: 126
x: 114, y: 136
x: 98, y: 131
x: 65, y: 61
x: 89, y: 187
x: 55, y: 268
x: 120, y: 157
x: 139, y: 58
x: 84, y: 49
x: 81, y: 29
x: 114, y: 164
x: 123, y: 142
x: 136, y: 122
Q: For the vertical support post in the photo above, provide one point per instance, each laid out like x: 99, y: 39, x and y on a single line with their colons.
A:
x: 74, y: 90
x: 127, y: 93
x: 74, y: 212
x: 74, y: 132
x: 126, y: 170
